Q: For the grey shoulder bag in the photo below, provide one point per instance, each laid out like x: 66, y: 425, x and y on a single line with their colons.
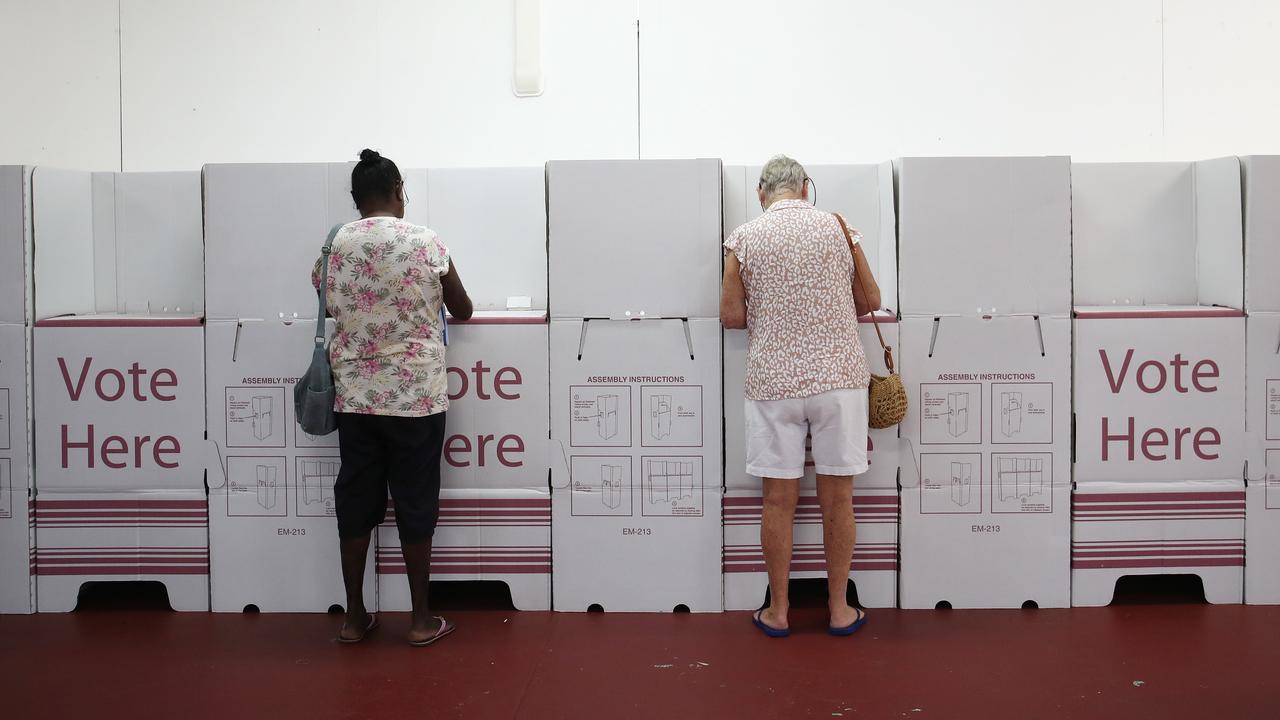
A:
x: 314, y: 394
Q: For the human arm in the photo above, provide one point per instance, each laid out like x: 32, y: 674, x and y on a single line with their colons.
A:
x: 455, y: 294
x: 733, y: 295
x: 866, y: 292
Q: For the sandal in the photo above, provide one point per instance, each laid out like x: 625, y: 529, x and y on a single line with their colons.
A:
x: 769, y: 630
x: 445, y: 629
x: 370, y: 625
x: 852, y: 627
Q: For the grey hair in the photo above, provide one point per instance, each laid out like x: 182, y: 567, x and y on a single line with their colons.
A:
x: 782, y: 174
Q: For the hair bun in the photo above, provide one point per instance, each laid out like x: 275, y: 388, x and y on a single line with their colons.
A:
x: 367, y: 155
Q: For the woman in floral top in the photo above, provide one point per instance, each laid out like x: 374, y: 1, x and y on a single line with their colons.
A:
x: 387, y: 281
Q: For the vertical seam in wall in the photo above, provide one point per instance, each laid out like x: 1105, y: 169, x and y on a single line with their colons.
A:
x: 1163, y: 128
x: 120, y: 76
x: 638, y: 146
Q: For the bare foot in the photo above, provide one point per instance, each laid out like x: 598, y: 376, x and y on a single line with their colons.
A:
x: 355, y: 627
x: 423, y: 629
x: 845, y: 616
x: 774, y: 618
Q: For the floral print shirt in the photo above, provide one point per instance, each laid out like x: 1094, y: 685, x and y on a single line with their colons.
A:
x: 802, y: 328
x: 385, y: 295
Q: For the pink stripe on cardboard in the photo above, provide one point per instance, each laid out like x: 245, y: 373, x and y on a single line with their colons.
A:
x: 1158, y: 497
x: 112, y: 322
x: 1122, y: 564
x: 125, y: 570
x: 1138, y: 314
x: 96, y: 504
x: 500, y: 320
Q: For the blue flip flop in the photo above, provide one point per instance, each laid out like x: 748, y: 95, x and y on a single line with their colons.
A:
x: 849, y: 629
x: 772, y: 632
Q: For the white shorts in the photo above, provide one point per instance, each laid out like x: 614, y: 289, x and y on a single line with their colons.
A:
x: 835, y: 421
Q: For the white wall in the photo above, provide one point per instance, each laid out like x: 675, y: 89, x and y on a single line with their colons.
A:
x: 60, y: 80
x: 428, y: 81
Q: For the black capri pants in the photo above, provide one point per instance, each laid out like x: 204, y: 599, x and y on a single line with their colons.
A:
x: 381, y: 453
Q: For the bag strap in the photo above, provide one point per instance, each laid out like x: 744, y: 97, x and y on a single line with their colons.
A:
x: 323, y: 290
x: 857, y: 277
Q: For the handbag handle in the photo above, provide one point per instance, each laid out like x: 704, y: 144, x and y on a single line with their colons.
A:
x: 323, y: 291
x: 857, y: 277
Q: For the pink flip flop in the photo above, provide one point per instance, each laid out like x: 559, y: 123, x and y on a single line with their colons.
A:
x: 446, y: 629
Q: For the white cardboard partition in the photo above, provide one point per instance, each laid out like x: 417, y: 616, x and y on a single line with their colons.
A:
x: 15, y: 244
x: 1262, y: 384
x: 985, y: 235
x: 494, y: 222
x: 495, y: 507
x: 985, y: 516
x: 117, y: 243
x: 636, y: 497
x: 16, y: 513
x: 1261, y: 232
x: 272, y: 538
x: 862, y: 194
x: 1262, y: 572
x: 264, y: 227
x: 1151, y: 234
x: 628, y: 237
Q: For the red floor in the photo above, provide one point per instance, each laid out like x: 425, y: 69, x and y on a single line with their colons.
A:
x: 1163, y: 660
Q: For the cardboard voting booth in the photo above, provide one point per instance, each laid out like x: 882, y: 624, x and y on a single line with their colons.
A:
x: 636, y: 381
x: 272, y: 534
x: 118, y: 384
x: 17, y: 516
x: 985, y: 282
x: 863, y: 195
x: 495, y: 501
x: 1159, y: 376
x: 1262, y: 382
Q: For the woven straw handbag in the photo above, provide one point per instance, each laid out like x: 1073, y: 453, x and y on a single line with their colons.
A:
x: 886, y: 396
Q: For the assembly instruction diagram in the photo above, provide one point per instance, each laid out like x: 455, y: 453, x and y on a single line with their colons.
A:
x: 672, y: 486
x: 1272, y: 483
x: 600, y: 416
x: 255, y: 417
x: 6, y: 489
x: 950, y: 414
x: 315, y: 479
x: 951, y: 483
x: 1273, y: 410
x: 672, y: 416
x: 600, y: 485
x: 1022, y: 413
x: 1022, y: 482
x: 6, y: 435
x: 256, y: 487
